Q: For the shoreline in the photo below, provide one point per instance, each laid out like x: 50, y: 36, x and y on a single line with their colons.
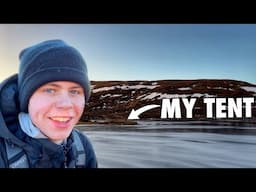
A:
x: 235, y: 122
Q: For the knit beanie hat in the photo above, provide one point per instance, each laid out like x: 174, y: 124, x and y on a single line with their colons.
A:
x: 52, y: 60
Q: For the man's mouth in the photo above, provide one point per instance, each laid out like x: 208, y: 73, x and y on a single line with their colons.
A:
x: 61, y: 119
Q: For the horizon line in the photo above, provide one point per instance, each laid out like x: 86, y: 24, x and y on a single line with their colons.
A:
x: 196, y: 79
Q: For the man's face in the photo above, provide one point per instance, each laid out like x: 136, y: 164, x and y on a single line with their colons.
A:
x: 56, y: 107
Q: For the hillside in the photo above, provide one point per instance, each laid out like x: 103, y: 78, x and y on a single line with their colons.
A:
x: 114, y: 100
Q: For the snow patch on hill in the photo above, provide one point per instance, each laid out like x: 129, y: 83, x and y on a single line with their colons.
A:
x: 125, y: 87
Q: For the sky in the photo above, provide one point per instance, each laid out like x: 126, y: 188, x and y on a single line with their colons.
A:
x: 144, y: 51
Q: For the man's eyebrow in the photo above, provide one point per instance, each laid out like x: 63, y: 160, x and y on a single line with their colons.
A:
x: 76, y: 87
x: 53, y: 84
x: 59, y: 86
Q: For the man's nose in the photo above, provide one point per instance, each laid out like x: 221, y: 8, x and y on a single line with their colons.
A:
x: 64, y: 101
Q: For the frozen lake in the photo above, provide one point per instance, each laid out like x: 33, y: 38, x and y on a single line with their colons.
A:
x: 159, y: 144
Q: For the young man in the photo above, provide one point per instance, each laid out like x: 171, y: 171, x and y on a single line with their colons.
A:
x: 40, y: 106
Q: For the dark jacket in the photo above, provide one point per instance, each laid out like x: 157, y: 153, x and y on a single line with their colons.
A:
x: 41, y: 153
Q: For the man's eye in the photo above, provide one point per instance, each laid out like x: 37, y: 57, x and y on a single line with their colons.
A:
x: 74, y: 92
x: 49, y: 90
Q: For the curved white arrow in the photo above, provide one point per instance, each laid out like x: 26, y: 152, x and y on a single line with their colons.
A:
x: 135, y: 114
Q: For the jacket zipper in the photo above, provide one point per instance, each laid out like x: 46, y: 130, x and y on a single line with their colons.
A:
x: 65, y: 150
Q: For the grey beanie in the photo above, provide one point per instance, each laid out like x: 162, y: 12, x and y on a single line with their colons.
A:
x: 52, y: 60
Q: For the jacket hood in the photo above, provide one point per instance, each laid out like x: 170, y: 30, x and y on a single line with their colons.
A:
x: 9, y: 111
